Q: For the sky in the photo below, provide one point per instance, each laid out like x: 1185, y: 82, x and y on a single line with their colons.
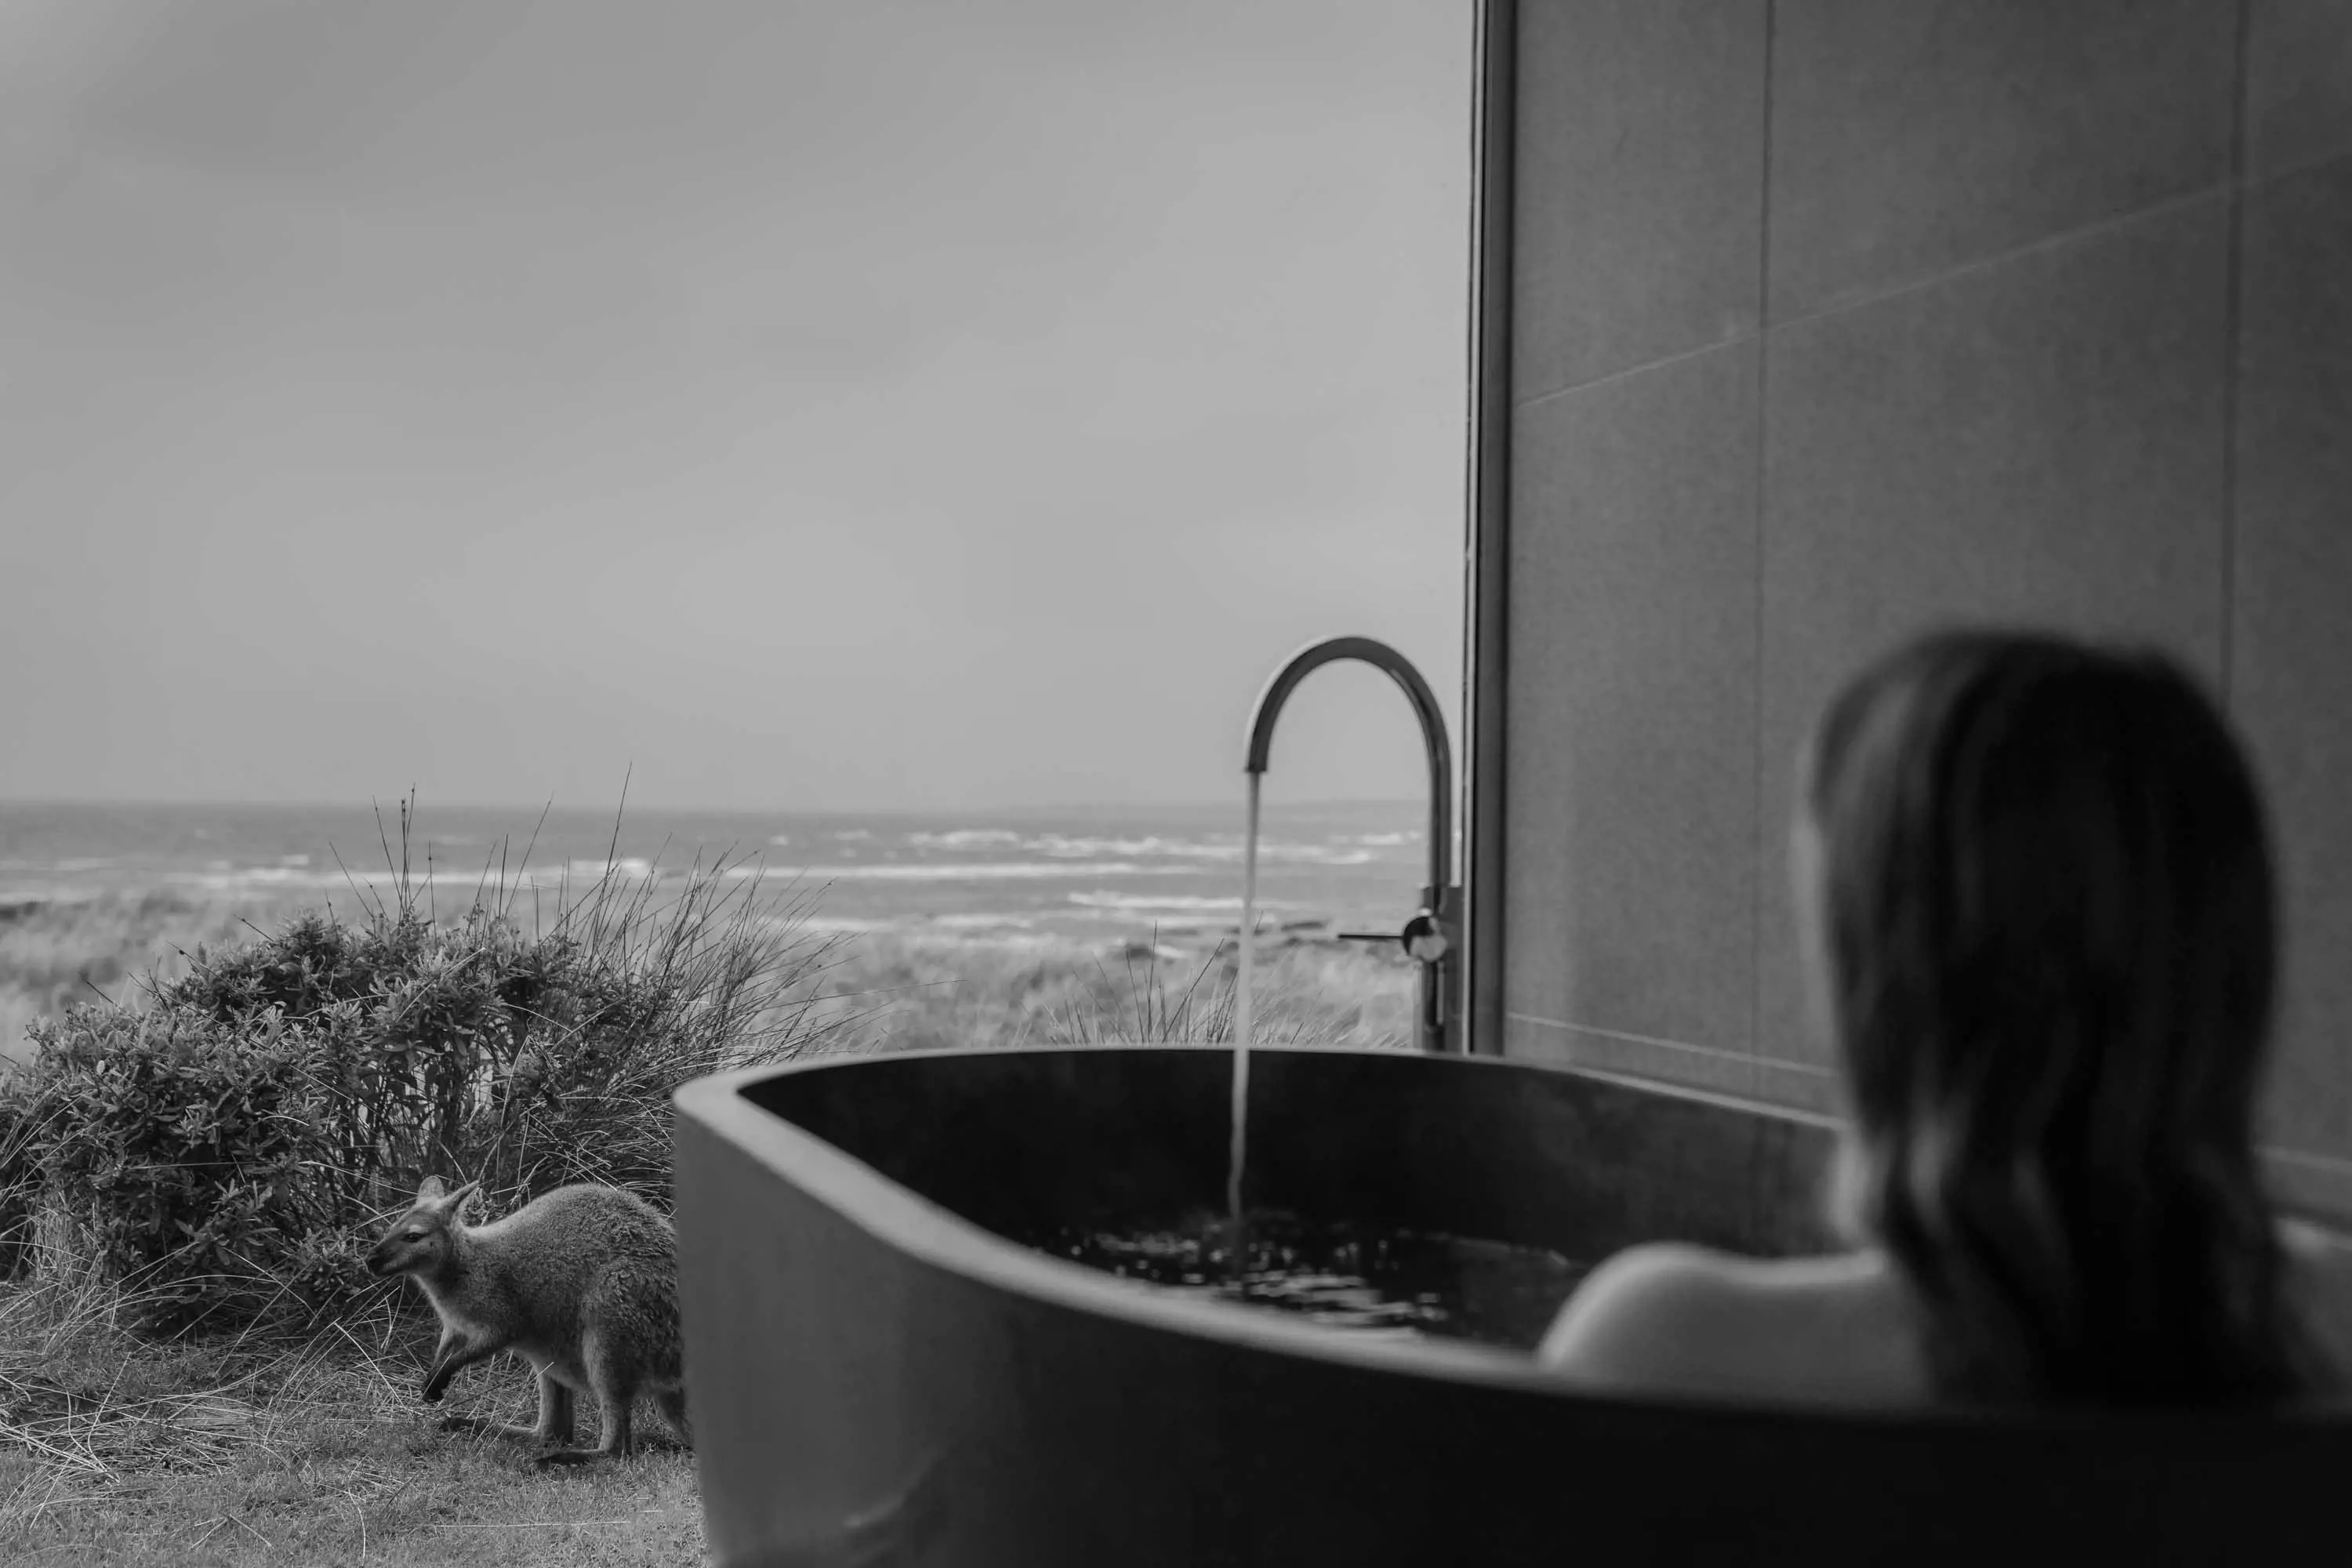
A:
x: 791, y: 406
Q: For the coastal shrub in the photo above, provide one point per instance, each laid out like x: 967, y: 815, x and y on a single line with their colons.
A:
x: 180, y: 1152
x: 225, y: 1146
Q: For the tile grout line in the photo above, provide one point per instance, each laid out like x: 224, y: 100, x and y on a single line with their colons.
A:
x: 2281, y: 1153
x: 2058, y: 239
x: 2326, y: 1180
x: 2285, y: 1155
x: 2233, y: 355
x: 1732, y: 341
x: 2297, y: 170
x: 2169, y: 206
x: 1756, y: 661
x: 1627, y: 1036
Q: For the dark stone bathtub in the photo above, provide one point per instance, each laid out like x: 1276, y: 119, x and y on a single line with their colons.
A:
x: 878, y: 1377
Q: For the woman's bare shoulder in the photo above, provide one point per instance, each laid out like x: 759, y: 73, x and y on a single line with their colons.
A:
x: 1672, y: 1303
x: 2322, y: 1259
x: 1676, y: 1316
x: 2311, y: 1243
x: 1639, y: 1313
x: 2323, y: 1268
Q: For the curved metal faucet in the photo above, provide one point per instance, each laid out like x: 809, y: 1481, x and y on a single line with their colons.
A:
x: 1432, y: 936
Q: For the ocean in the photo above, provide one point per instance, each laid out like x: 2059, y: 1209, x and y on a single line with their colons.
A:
x: 1110, y: 874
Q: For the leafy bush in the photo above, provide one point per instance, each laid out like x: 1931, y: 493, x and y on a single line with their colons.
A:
x: 225, y: 1145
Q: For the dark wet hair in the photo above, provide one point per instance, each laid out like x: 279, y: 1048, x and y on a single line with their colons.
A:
x: 2049, y: 922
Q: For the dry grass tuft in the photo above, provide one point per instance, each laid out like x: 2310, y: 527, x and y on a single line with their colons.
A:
x: 249, y: 1449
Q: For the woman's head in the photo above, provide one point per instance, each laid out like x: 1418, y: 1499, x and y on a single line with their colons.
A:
x: 2037, y: 887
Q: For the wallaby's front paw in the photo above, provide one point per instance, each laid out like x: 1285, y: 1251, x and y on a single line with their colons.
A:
x: 430, y: 1394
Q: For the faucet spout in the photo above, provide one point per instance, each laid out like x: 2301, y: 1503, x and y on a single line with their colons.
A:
x: 1431, y: 935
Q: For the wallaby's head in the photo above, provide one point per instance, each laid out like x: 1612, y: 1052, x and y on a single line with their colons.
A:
x: 418, y: 1241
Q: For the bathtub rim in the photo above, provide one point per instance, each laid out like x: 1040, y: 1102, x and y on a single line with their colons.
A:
x: 934, y: 1236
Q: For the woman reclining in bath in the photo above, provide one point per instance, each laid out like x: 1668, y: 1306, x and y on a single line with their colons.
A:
x: 2034, y: 887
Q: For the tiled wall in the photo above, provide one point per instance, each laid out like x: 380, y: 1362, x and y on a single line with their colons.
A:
x: 1833, y: 318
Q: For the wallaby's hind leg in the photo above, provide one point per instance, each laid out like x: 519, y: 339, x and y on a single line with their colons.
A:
x: 673, y: 1409
x: 614, y: 1396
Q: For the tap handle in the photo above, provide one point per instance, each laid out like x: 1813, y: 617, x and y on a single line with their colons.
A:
x: 1425, y: 936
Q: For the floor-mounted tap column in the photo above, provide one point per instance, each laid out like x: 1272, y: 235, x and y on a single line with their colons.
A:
x: 1434, y: 933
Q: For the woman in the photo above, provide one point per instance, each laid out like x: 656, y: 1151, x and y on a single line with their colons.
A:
x: 2034, y: 887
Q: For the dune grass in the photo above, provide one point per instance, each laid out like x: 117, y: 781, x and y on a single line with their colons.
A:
x: 875, y: 991
x: 54, y: 953
x: 905, y: 993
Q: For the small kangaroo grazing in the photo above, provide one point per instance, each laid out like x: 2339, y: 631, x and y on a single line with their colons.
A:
x: 581, y: 1282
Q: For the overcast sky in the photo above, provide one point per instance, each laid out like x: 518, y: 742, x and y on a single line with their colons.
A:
x: 872, y: 404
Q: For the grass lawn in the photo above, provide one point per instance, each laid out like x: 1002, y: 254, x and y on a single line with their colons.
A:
x: 236, y: 1452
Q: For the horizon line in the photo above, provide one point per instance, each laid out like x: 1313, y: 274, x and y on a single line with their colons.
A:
x: 623, y: 807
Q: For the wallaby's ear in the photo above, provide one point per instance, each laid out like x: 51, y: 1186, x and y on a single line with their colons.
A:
x: 430, y: 1190
x: 457, y: 1200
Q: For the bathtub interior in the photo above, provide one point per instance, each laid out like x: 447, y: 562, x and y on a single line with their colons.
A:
x: 1115, y: 1138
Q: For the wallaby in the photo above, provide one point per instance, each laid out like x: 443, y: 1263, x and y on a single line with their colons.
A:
x: 581, y: 1282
